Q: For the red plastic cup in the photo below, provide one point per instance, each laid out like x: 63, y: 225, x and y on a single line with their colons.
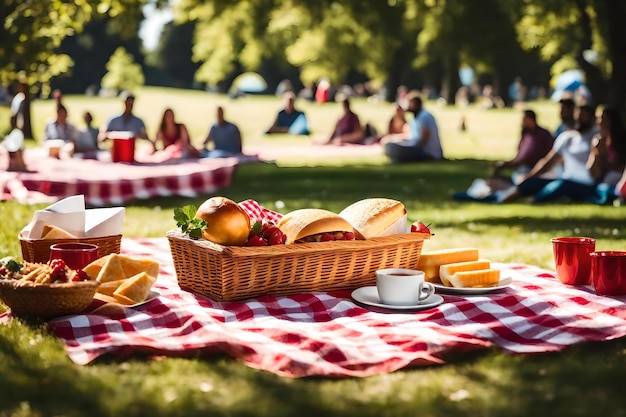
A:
x: 123, y: 149
x: 608, y: 272
x: 75, y: 255
x: 572, y: 259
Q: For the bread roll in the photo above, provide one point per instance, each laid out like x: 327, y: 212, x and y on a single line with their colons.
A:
x: 429, y: 262
x: 227, y: 223
x: 300, y: 224
x: 447, y: 270
x: 371, y: 217
x: 476, y: 279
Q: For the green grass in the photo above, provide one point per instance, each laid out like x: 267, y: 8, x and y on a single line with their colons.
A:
x: 37, y: 378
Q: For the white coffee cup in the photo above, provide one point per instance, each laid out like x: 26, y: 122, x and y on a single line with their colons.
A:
x: 402, y: 287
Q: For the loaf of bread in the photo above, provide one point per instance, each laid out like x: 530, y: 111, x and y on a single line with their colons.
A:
x: 446, y: 271
x: 431, y: 261
x: 476, y: 279
x: 373, y: 217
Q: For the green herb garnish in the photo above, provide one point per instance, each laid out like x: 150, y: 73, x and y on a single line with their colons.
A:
x: 186, y: 219
x: 257, y: 228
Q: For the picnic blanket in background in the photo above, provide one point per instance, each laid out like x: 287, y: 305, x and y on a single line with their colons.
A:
x: 106, y: 183
x: 328, y: 334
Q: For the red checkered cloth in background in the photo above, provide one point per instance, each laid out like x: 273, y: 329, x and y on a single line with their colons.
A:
x: 107, y: 183
x: 328, y: 334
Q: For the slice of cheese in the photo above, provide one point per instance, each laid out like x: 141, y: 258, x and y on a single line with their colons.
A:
x: 429, y: 262
x: 111, y: 270
x: 476, y: 279
x: 133, y: 266
x: 93, y: 269
x: 447, y: 270
x: 108, y: 288
x: 53, y: 232
x: 136, y: 287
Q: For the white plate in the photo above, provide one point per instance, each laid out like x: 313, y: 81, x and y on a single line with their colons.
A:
x: 369, y: 296
x: 505, y: 282
x: 151, y: 296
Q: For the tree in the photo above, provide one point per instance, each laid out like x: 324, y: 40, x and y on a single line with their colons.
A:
x: 323, y: 38
x: 123, y: 73
x: 33, y: 30
x: 174, y: 54
x: 90, y: 50
x: 565, y: 30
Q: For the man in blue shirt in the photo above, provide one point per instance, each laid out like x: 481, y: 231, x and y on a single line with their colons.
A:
x: 126, y: 122
x: 423, y: 143
x: 289, y: 120
x: 225, y: 136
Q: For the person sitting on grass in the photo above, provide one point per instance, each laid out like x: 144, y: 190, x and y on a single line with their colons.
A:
x: 534, y: 144
x: 126, y: 122
x: 348, y: 128
x: 61, y: 129
x: 423, y: 143
x: 571, y: 149
x: 567, y: 116
x: 607, y: 159
x: 289, y: 119
x: 174, y: 139
x: 225, y: 136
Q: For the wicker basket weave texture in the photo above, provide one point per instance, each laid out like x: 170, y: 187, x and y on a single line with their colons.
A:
x: 238, y: 273
x: 47, y: 300
x: 38, y: 250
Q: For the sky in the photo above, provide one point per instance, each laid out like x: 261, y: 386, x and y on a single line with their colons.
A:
x: 151, y: 27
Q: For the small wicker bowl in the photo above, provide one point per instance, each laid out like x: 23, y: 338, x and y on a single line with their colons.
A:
x: 26, y: 298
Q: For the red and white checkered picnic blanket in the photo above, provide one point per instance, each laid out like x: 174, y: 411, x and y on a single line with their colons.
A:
x: 106, y: 183
x: 328, y: 334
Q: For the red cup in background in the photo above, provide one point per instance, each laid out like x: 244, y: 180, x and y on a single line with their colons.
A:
x: 123, y: 148
x: 608, y: 272
x: 572, y: 259
x: 75, y: 255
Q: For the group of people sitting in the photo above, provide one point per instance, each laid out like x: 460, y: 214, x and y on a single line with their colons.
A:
x: 171, y: 141
x: 584, y: 160
x: 415, y: 140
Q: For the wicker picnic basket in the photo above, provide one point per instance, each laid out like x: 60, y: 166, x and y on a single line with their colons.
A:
x: 46, y: 300
x: 38, y: 250
x: 230, y: 273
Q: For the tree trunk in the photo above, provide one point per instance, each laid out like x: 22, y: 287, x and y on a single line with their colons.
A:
x: 596, y: 82
x: 616, y: 11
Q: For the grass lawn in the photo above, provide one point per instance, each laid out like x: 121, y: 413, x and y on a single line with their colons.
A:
x: 37, y: 378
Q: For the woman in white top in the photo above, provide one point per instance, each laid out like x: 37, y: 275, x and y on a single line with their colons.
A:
x: 571, y: 150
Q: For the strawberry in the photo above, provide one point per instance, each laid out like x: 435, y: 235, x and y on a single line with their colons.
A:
x: 271, y: 230
x: 58, y: 270
x: 256, y: 241
x: 327, y: 237
x: 80, y: 275
x: 277, y: 237
x: 348, y: 236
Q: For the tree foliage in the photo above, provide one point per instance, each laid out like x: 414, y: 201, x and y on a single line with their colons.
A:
x: 123, y: 73
x: 33, y: 30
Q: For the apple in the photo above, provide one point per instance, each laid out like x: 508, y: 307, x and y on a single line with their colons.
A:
x: 420, y: 227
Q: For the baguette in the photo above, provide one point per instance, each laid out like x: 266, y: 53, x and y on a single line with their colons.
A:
x: 476, y: 279
x: 429, y: 262
x: 447, y: 270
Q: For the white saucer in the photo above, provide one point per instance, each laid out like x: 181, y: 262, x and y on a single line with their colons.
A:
x: 504, y: 282
x: 369, y: 296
